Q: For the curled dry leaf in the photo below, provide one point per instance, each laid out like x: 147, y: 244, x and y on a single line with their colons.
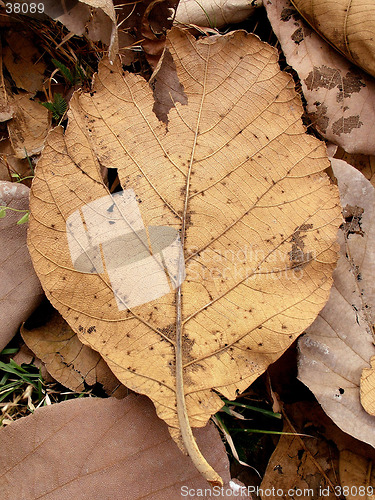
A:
x: 29, y: 126
x: 146, y: 23
x: 69, y: 361
x: 155, y: 20
x: 96, y: 18
x: 340, y: 97
x: 214, y: 13
x: 339, y: 344
x: 348, y: 26
x: 235, y: 182
x: 364, y: 163
x: 25, y: 355
x: 95, y: 449
x: 357, y: 476
x: 24, y: 62
x: 20, y: 287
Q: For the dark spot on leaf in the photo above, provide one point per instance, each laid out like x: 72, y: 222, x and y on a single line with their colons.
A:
x: 278, y: 468
x: 323, y: 77
x: 288, y: 13
x: 353, y: 217
x: 297, y: 255
x: 346, y: 125
x: 319, y: 118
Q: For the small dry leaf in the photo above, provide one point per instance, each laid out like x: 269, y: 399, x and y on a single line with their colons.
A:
x: 236, y: 176
x: 95, y: 449
x: 367, y: 388
x: 29, y: 127
x: 69, y: 361
x: 10, y: 164
x: 348, y: 26
x: 340, y: 342
x: 6, y: 111
x: 20, y: 288
x: 357, y: 476
x: 295, y: 468
x: 25, y: 355
x: 24, y: 62
x: 214, y: 13
x: 304, y: 462
x: 340, y: 97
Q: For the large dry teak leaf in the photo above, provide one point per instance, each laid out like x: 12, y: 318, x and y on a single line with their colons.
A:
x: 96, y: 449
x: 20, y: 290
x: 348, y: 26
x: 234, y: 181
x: 340, y: 97
x: 69, y: 361
x: 339, y: 344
